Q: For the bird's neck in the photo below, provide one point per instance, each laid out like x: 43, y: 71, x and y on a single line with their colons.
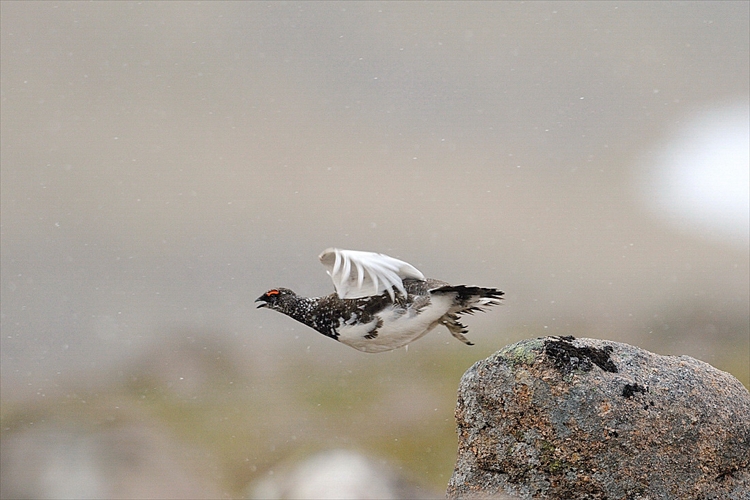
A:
x: 306, y: 310
x: 302, y: 309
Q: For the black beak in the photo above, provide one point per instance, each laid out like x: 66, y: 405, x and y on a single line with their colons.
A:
x: 262, y: 302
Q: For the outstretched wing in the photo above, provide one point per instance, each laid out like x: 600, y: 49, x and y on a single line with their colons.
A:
x: 362, y: 274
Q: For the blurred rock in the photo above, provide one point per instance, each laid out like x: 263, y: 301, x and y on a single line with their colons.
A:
x: 560, y: 417
x: 337, y: 474
x: 50, y: 458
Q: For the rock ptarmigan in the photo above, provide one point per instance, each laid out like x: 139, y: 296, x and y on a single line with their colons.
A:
x: 381, y: 303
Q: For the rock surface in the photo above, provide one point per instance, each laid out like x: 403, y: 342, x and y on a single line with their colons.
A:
x: 559, y: 417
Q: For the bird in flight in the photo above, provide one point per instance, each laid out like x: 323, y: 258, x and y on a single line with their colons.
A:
x: 380, y: 303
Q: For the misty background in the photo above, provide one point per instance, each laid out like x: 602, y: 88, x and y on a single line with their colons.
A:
x: 165, y: 163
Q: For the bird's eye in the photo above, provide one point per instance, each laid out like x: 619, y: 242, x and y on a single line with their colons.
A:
x: 273, y: 292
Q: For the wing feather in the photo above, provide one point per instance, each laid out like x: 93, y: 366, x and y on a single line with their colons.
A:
x: 358, y: 274
x: 374, y: 278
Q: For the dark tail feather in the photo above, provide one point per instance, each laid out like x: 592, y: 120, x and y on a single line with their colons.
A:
x: 469, y: 294
x: 469, y: 299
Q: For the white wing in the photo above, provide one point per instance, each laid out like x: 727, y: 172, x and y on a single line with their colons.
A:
x: 362, y: 274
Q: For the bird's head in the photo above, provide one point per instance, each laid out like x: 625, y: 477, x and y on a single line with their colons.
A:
x: 276, y: 298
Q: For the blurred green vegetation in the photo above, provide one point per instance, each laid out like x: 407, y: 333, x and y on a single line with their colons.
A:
x: 398, y: 407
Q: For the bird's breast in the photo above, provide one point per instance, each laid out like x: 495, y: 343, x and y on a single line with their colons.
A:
x: 392, y: 327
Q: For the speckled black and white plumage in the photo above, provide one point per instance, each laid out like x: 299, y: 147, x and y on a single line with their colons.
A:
x: 395, y: 316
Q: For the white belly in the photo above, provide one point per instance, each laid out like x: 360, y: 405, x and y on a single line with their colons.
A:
x: 399, y: 327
